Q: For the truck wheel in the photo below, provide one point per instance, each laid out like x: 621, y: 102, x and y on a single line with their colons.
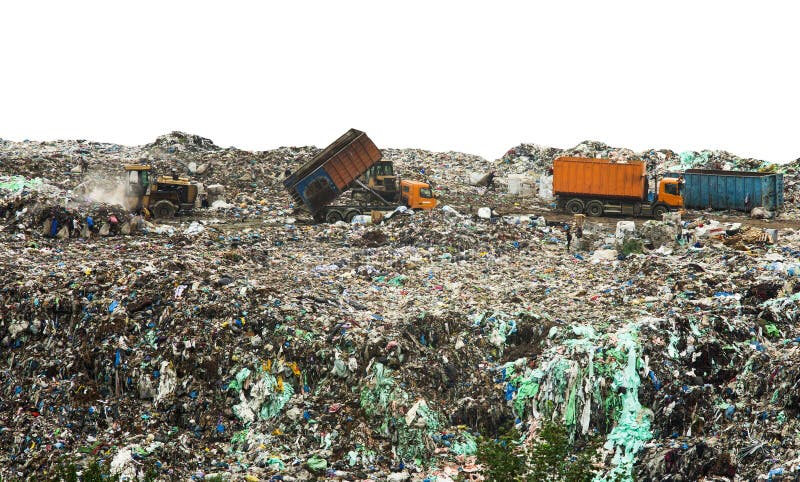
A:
x: 351, y: 214
x: 594, y: 208
x: 574, y: 206
x: 163, y: 209
x: 659, y: 211
x: 333, y: 217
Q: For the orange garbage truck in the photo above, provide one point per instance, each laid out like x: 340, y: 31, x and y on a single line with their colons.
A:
x: 353, y: 162
x: 596, y: 187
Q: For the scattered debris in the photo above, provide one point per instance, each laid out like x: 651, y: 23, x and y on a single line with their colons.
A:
x: 248, y: 342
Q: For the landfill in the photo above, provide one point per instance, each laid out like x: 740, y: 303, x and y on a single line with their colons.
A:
x: 246, y: 342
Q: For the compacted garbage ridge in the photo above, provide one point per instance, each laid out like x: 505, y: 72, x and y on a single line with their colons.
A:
x: 249, y: 343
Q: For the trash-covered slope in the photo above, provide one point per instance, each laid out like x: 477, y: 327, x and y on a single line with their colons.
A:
x: 264, y: 347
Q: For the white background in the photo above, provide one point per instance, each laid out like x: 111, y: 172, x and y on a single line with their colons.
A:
x: 477, y: 77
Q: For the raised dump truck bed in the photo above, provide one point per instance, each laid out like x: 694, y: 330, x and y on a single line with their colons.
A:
x: 332, y: 171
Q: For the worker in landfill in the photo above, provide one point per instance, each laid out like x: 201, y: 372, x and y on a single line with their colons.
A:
x: 10, y: 208
x: 90, y: 224
x: 577, y: 224
x: 204, y: 201
x: 113, y: 225
x: 76, y: 228
x: 567, y: 235
x: 136, y: 222
x: 490, y: 181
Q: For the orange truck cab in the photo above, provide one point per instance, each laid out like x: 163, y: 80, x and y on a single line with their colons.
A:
x: 670, y: 192
x: 417, y: 195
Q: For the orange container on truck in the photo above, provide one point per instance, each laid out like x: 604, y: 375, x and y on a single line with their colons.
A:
x: 601, y: 186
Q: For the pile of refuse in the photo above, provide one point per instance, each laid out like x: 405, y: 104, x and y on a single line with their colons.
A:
x: 64, y: 163
x: 243, y: 344
x: 257, y: 175
x: 532, y: 157
x: 535, y: 162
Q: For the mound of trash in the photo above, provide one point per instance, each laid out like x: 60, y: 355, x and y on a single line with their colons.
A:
x: 243, y: 343
x: 177, y: 141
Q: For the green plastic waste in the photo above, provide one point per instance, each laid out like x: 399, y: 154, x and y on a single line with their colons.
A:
x: 690, y: 158
x: 499, y: 325
x: 772, y: 330
x: 317, y: 464
x: 274, y: 404
x: 397, y: 281
x: 527, y: 388
x: 19, y: 183
x: 632, y: 430
x: 266, y: 397
x: 236, y: 383
x: 672, y: 349
x: 376, y: 399
x: 466, y: 446
x: 239, y: 437
x: 352, y: 458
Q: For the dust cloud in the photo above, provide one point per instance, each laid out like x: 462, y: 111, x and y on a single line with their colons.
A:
x: 105, y: 190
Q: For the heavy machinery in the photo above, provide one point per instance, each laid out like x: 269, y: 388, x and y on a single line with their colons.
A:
x: 353, y: 162
x: 601, y: 186
x: 162, y: 197
x: 379, y: 178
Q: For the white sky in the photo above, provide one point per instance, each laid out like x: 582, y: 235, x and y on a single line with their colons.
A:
x: 477, y: 77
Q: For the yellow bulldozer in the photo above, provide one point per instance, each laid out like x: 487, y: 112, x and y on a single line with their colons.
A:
x: 162, y: 197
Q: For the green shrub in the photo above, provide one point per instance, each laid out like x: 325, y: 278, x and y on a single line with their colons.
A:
x: 632, y: 246
x: 500, y: 458
x: 66, y: 471
x: 552, y: 459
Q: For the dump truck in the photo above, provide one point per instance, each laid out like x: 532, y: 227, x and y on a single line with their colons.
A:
x: 601, y: 186
x: 737, y: 190
x: 353, y: 162
x: 162, y: 197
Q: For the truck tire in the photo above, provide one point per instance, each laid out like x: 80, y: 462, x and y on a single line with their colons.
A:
x: 333, y: 216
x: 163, y: 210
x: 574, y: 206
x: 594, y: 208
x: 348, y: 218
x: 659, y: 211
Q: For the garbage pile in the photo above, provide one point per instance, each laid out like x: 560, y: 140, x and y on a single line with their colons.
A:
x: 255, y: 177
x: 30, y: 208
x: 538, y: 159
x: 266, y: 348
x: 535, y: 161
x: 64, y: 163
